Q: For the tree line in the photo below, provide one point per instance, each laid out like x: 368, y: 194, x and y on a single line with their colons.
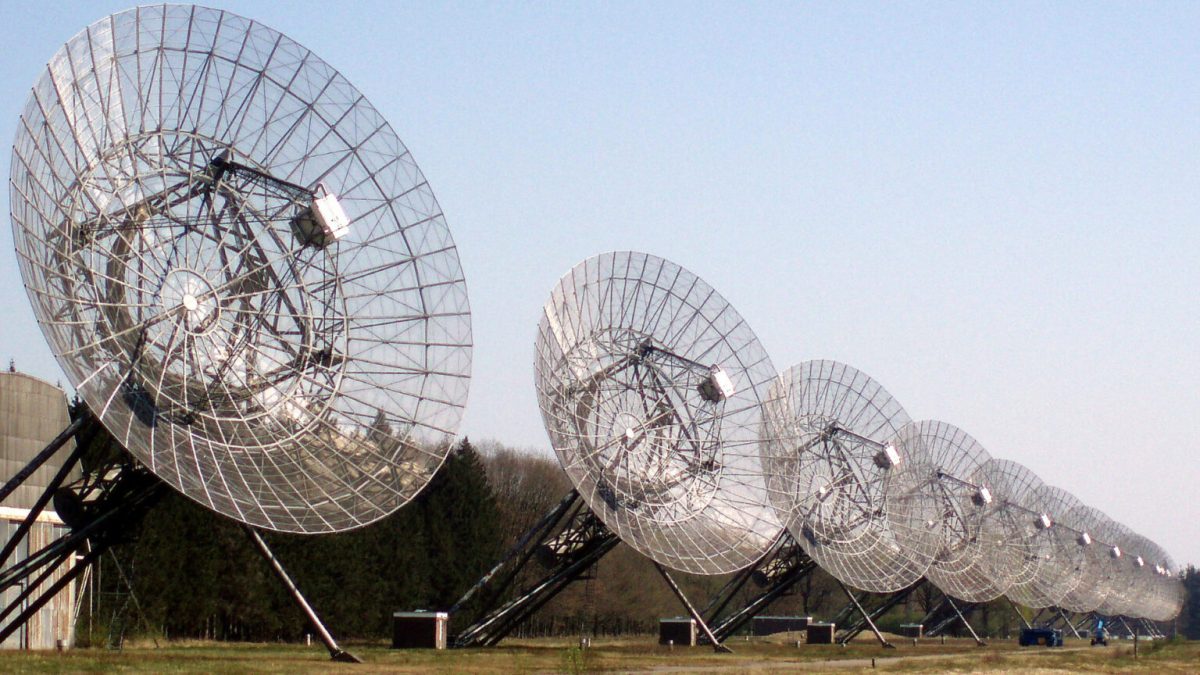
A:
x: 185, y: 572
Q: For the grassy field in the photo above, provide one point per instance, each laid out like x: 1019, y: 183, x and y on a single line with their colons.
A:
x: 629, y: 655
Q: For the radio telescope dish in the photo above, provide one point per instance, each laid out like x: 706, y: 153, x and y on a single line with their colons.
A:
x: 1125, y: 598
x: 1078, y: 526
x: 962, y: 567
x: 1168, y: 590
x: 1168, y: 597
x: 1143, y: 576
x: 1116, y: 577
x: 1104, y: 556
x: 1066, y: 561
x: 649, y: 384
x: 1154, y: 580
x: 240, y: 268
x: 857, y: 506
x: 1019, y: 552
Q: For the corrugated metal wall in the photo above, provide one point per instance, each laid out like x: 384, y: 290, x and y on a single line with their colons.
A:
x: 32, y: 413
x: 55, y: 621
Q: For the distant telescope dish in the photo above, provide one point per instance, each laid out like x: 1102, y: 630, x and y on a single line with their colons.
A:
x: 852, y: 499
x: 650, y: 386
x: 1016, y: 550
x: 962, y: 568
x: 240, y: 268
x: 1143, y: 577
x: 1080, y: 553
x: 1166, y: 597
x: 1122, y: 598
x: 1065, y: 570
x: 1097, y: 582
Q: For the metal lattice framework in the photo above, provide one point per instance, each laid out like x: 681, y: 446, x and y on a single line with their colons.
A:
x: 1166, y: 592
x: 1018, y: 551
x: 1140, y: 571
x: 1156, y: 594
x: 962, y: 568
x: 1073, y: 552
x: 181, y: 183
x: 1067, y: 558
x: 858, y: 508
x: 1107, y: 556
x: 650, y: 386
x: 1122, y: 599
x: 1081, y: 523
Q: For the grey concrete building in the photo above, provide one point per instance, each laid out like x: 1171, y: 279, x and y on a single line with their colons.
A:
x: 32, y: 413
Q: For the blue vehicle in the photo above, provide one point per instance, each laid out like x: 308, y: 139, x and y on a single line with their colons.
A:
x: 1048, y: 637
x: 1099, y: 635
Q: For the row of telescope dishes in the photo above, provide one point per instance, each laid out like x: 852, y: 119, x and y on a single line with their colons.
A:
x: 669, y: 417
x: 881, y: 502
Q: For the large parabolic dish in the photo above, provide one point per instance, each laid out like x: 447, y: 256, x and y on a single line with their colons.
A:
x: 1019, y: 552
x: 856, y: 506
x: 1168, y: 593
x: 650, y: 384
x: 1078, y: 552
x: 1144, y: 555
x: 1064, y: 569
x: 1122, y: 600
x: 1106, y: 557
x: 1083, y: 522
x: 240, y: 268
x: 961, y: 568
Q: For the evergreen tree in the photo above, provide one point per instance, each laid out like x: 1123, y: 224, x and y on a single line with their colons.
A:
x: 461, y: 524
x: 1189, y: 616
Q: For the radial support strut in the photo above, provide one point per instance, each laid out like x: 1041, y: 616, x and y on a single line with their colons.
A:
x: 336, y: 653
x: 716, y: 644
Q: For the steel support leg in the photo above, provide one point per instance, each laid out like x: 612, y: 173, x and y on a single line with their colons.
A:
x: 589, y: 542
x: 728, y: 592
x: 933, y: 611
x: 717, y: 646
x: 335, y: 652
x: 40, y: 505
x: 867, y: 617
x: 725, y: 627
x: 539, y: 530
x: 1066, y: 619
x: 1016, y: 610
x: 494, y: 627
x: 1088, y: 619
x: 46, y: 595
x: 964, y: 621
x: 40, y: 459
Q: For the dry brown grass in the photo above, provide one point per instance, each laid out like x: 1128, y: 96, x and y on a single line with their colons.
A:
x: 625, y: 655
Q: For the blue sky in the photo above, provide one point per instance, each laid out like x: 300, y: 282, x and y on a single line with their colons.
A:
x: 994, y: 209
